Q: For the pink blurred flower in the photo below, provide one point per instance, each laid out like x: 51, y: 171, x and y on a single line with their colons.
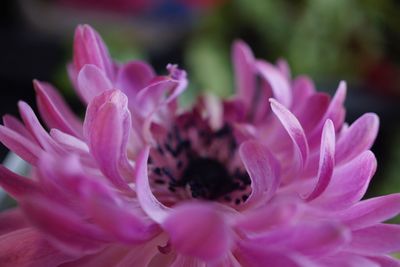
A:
x: 271, y: 177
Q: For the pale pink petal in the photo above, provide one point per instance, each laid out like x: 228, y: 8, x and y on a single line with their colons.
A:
x: 279, y: 86
x: 349, y: 183
x: 376, y: 239
x: 69, y: 141
x: 326, y: 161
x: 54, y: 111
x: 358, y: 138
x: 12, y: 220
x: 199, y: 230
x: 153, y: 208
x: 16, y: 185
x: 107, y: 127
x: 28, y: 248
x: 92, y: 82
x: 284, y: 68
x: 244, y: 68
x: 20, y: 145
x: 263, y: 169
x: 369, y: 212
x: 295, y: 131
x: 89, y: 48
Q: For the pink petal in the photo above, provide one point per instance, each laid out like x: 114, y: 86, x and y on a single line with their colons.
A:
x: 55, y: 111
x: 284, y: 68
x: 35, y: 128
x: 92, y: 82
x: 12, y: 220
x: 349, y: 183
x: 303, y: 88
x: 326, y: 161
x: 358, y: 138
x: 134, y: 76
x: 27, y: 248
x: 107, y: 127
x: 149, y: 203
x: 20, y: 145
x: 308, y: 238
x: 386, y: 261
x: 182, y: 261
x: 255, y: 255
x: 279, y: 86
x: 336, y: 111
x: 69, y: 141
x: 16, y: 185
x: 198, y: 230
x: 375, y: 240
x: 15, y: 125
x: 63, y: 227
x: 124, y: 223
x: 89, y: 48
x: 369, y: 212
x: 244, y: 68
x: 264, y: 171
x: 347, y: 260
x: 295, y: 131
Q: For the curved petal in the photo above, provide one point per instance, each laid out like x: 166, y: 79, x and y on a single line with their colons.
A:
x: 386, y: 261
x: 89, y: 48
x: 12, y: 220
x: 369, y: 212
x: 263, y: 169
x: 132, y: 77
x: 295, y: 131
x: 279, y: 86
x: 349, y: 183
x: 17, y: 186
x: 55, y: 111
x: 358, y: 138
x: 92, y: 82
x: 27, y: 247
x: 326, y: 161
x: 244, y: 68
x: 376, y: 240
x: 153, y: 208
x: 199, y: 230
x: 303, y: 88
x: 107, y: 127
x: 347, y: 260
x: 20, y: 145
x: 16, y: 125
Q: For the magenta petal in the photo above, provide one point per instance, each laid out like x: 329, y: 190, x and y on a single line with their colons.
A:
x: 349, y: 183
x: 92, y: 82
x: 303, y: 88
x: 264, y: 171
x: 27, y: 248
x: 153, y: 208
x: 16, y: 185
x: 255, y: 255
x: 55, y: 111
x: 16, y: 125
x: 336, y: 111
x: 244, y: 67
x: 89, y: 48
x: 65, y: 228
x: 20, y: 145
x: 386, y: 261
x: 134, y: 76
x: 35, y: 128
x: 279, y: 86
x: 326, y: 160
x: 347, y: 260
x: 295, y: 131
x: 12, y: 220
x: 375, y: 240
x: 369, y: 212
x: 199, y: 230
x: 122, y: 222
x: 358, y: 138
x: 107, y: 127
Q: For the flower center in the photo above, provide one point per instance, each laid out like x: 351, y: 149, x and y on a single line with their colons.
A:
x: 194, y: 161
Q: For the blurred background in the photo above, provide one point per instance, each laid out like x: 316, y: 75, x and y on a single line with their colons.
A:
x: 330, y: 40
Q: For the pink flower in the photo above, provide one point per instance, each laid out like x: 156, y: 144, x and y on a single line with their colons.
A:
x: 271, y: 177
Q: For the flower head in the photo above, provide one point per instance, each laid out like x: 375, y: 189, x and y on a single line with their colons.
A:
x: 270, y: 177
